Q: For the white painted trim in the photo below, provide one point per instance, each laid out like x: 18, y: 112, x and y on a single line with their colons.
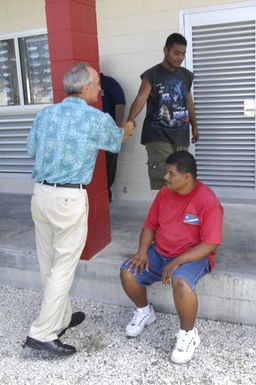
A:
x: 32, y: 32
x: 19, y: 75
x: 33, y: 108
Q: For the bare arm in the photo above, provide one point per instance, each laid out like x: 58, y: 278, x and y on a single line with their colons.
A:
x: 147, y: 236
x: 195, y: 254
x: 192, y: 118
x: 140, y: 100
x: 140, y: 259
x: 119, y: 114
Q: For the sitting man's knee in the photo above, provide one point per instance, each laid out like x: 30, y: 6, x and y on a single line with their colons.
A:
x: 180, y: 286
x: 125, y: 275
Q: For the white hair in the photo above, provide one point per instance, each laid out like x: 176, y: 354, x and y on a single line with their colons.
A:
x: 75, y: 78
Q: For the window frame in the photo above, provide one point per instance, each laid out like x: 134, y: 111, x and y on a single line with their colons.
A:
x: 33, y: 108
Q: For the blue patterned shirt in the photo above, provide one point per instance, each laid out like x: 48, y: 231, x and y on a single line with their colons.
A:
x: 65, y: 139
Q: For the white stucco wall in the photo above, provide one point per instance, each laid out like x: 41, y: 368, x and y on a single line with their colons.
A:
x: 131, y: 38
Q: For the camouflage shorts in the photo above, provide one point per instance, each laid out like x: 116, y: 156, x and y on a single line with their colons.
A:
x: 158, y: 152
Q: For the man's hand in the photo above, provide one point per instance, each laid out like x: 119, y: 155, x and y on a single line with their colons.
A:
x: 167, y: 272
x: 195, y: 135
x: 138, y: 262
x: 128, y: 130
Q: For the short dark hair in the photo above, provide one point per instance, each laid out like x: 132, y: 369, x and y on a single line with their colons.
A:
x: 184, y: 162
x: 175, y: 38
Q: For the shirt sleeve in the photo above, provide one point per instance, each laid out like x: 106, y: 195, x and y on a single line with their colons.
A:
x: 108, y: 136
x: 190, y: 80
x: 152, y: 219
x: 148, y: 75
x: 211, y: 223
x: 32, y: 140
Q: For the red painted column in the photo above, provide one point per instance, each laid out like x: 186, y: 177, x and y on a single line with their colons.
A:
x: 72, y: 36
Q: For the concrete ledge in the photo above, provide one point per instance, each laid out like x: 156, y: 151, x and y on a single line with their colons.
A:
x: 227, y: 294
x: 222, y: 296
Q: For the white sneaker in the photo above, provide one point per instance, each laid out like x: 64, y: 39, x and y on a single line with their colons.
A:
x: 139, y: 320
x: 185, y: 346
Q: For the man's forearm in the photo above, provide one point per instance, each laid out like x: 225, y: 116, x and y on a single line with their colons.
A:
x: 140, y: 100
x: 192, y: 112
x: 135, y: 109
x: 147, y: 236
x: 119, y: 114
x: 192, y: 115
x: 196, y: 253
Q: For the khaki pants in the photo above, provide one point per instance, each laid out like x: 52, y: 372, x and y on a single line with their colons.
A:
x: 60, y: 216
x: 158, y: 152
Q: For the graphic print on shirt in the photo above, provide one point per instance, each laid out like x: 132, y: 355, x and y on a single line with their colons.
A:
x: 172, y: 105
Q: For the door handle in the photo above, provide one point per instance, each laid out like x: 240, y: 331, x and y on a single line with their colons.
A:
x: 249, y: 108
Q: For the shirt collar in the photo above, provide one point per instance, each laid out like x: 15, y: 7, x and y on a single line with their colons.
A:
x: 72, y: 99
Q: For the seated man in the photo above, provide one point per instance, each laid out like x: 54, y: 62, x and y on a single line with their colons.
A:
x: 177, y: 244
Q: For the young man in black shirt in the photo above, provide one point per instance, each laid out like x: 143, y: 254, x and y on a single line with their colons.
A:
x: 166, y: 88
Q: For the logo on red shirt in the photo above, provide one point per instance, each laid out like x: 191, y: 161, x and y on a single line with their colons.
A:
x: 191, y: 219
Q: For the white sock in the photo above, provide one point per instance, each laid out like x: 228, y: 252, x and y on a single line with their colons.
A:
x: 145, y: 309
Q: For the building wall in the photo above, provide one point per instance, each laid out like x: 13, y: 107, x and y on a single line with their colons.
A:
x: 16, y: 15
x: 131, y: 39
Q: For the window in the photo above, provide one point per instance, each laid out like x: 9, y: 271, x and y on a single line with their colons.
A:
x: 25, y: 75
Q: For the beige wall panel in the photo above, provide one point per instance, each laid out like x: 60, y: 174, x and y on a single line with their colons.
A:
x: 132, y: 44
x: 39, y: 5
x: 161, y: 5
x: 159, y: 21
x: 3, y: 8
x: 143, y: 60
x: 19, y: 15
x: 15, y: 7
x: 112, y: 27
x: 185, y: 4
x: 154, y: 41
x: 25, y: 23
x: 105, y: 46
x: 117, y: 66
x: 113, y: 8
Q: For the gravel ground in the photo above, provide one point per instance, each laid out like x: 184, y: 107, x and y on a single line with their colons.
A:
x: 106, y: 356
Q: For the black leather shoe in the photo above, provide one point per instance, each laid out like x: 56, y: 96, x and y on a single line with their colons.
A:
x: 55, y: 347
x: 76, y: 319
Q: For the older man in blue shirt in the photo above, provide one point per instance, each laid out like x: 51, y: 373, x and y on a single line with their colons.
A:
x: 64, y: 140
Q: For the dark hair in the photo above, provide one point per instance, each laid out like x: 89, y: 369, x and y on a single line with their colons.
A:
x: 175, y: 38
x: 184, y: 162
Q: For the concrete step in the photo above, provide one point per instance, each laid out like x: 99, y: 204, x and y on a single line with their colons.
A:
x: 227, y: 294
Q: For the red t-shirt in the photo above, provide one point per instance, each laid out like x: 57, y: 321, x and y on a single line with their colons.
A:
x: 181, y: 222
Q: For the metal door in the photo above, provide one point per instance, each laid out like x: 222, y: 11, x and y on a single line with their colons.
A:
x: 221, y: 53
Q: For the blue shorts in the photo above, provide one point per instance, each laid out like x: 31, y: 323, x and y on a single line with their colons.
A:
x: 190, y: 272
